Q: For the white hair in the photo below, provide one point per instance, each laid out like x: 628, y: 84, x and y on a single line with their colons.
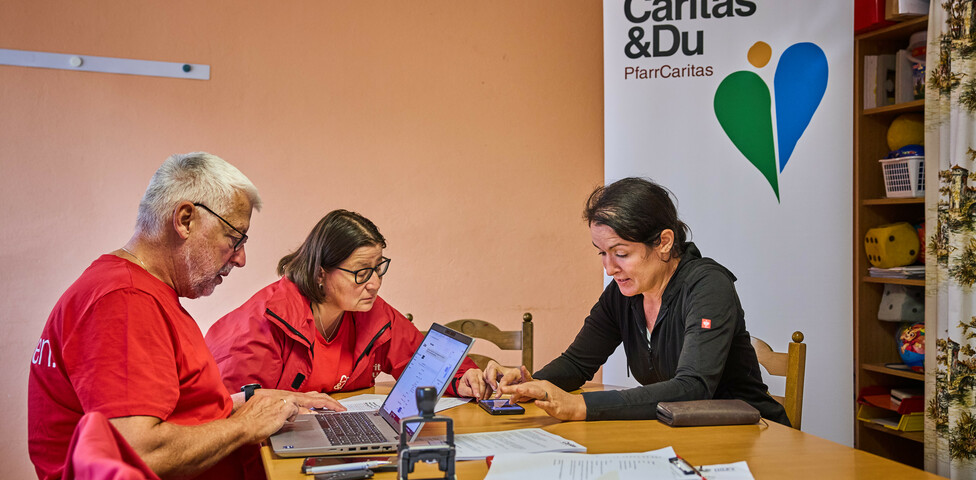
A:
x: 197, y: 177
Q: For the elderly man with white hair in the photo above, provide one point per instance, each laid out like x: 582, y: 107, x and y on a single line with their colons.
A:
x: 118, y: 341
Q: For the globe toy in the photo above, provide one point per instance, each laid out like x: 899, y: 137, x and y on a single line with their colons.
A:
x: 911, y: 344
x: 906, y: 129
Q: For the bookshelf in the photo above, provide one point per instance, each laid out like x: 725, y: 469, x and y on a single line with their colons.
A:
x: 874, y: 345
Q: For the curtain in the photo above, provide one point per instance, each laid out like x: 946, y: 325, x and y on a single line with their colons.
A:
x: 950, y: 219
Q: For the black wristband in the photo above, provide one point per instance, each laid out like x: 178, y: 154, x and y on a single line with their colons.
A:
x: 249, y: 390
x: 454, y: 384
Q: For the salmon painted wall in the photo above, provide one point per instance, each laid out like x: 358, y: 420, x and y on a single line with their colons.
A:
x: 469, y: 132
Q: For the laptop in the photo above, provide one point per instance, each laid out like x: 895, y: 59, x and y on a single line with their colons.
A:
x: 341, y: 433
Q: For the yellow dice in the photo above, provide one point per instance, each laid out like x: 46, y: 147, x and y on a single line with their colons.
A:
x: 892, y: 245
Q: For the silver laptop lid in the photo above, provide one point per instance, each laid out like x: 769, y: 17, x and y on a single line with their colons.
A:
x: 433, y: 365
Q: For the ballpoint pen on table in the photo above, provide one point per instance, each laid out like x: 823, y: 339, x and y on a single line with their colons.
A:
x: 345, y: 466
x: 685, y: 467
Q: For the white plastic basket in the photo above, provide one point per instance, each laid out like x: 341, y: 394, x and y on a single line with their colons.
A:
x: 904, y: 177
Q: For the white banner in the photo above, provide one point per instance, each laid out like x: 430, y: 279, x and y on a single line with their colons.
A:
x: 744, y: 110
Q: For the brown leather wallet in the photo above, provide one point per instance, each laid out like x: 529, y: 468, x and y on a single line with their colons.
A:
x: 697, y: 413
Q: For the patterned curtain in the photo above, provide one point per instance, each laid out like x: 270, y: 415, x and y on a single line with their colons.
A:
x: 950, y: 219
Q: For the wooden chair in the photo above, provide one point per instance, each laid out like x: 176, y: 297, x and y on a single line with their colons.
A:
x: 791, y: 365
x: 504, y: 339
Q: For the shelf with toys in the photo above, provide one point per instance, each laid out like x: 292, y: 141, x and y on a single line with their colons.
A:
x: 889, y: 212
x: 897, y: 410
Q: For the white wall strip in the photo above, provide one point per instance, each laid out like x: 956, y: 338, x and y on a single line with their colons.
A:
x: 89, y: 63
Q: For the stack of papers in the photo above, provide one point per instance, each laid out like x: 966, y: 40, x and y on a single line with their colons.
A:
x: 912, y: 271
x: 904, y: 393
x: 612, y: 466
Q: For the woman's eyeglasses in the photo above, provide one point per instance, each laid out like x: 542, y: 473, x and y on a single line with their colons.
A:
x: 364, y: 274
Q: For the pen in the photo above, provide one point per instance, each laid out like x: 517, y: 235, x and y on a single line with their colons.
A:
x: 344, y: 466
x: 685, y: 467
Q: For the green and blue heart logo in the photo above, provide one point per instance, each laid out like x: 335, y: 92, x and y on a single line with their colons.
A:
x: 743, y: 105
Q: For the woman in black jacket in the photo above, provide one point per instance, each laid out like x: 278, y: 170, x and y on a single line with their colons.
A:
x: 676, y: 313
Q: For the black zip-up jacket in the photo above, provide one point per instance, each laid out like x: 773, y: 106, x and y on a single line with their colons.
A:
x: 699, y: 348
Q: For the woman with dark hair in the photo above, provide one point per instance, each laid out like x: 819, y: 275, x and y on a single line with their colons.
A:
x: 322, y: 326
x: 676, y: 313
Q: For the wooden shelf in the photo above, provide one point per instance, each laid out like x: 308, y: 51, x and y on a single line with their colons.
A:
x: 913, y: 436
x: 913, y: 106
x: 874, y: 339
x: 894, y: 201
x: 918, y: 282
x: 897, y: 31
x: 881, y: 368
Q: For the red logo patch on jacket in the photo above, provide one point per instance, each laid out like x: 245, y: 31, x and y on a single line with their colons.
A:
x: 706, y: 323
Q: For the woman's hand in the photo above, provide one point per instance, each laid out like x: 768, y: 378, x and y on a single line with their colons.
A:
x: 472, y: 384
x: 552, y: 399
x: 498, y: 376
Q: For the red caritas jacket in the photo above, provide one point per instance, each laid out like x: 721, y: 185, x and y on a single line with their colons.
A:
x: 270, y: 340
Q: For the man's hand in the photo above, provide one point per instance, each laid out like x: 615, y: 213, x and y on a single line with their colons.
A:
x: 552, y: 399
x: 306, y: 401
x: 269, y: 409
x: 263, y: 415
x: 498, y: 377
x: 472, y: 384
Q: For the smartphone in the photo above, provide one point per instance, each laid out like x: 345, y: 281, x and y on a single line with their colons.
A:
x: 315, y: 465
x: 501, y: 407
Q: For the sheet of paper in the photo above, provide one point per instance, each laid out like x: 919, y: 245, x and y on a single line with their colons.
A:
x: 614, y: 466
x: 476, y: 446
x: 368, y: 402
x: 575, y: 466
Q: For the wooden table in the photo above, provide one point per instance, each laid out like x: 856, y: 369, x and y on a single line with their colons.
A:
x: 772, y: 451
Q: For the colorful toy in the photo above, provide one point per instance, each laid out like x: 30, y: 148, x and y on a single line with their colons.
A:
x: 892, y: 245
x: 911, y: 344
x: 906, y: 129
x: 910, y: 150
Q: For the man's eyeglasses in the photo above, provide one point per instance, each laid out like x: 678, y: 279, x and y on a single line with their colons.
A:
x: 364, y: 274
x: 240, y: 241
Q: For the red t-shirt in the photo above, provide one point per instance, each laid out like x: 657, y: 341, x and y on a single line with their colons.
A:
x: 119, y: 342
x: 332, y: 363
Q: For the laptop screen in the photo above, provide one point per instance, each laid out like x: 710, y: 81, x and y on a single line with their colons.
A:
x: 433, y: 365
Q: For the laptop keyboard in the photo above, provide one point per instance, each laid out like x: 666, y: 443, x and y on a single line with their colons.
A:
x: 350, y: 428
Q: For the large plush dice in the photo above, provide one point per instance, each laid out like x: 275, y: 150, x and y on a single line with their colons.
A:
x: 901, y: 303
x: 892, y: 245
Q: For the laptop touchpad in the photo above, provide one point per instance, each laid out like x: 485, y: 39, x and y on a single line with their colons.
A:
x: 304, y: 427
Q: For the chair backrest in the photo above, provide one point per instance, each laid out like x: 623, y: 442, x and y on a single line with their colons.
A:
x: 791, y: 365
x: 504, y: 339
x: 99, y: 452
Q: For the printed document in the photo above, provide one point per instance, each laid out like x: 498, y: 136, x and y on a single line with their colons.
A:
x: 613, y: 466
x: 476, y: 446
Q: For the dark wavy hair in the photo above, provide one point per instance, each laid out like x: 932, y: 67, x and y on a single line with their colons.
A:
x: 638, y: 210
x: 331, y: 242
